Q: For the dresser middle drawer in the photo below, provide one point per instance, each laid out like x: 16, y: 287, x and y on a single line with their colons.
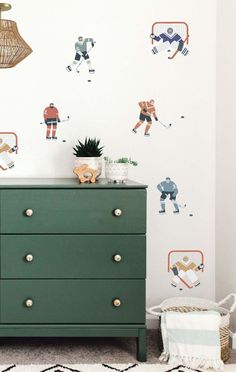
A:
x: 73, y: 256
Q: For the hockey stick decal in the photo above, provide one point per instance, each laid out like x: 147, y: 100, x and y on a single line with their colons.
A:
x: 167, y: 126
x: 61, y: 121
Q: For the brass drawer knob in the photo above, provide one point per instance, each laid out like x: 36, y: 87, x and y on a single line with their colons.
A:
x: 117, y: 212
x: 29, y: 257
x: 29, y: 212
x: 117, y: 302
x: 29, y: 302
x: 117, y: 258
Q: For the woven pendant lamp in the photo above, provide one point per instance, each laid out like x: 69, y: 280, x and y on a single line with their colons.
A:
x: 13, y: 48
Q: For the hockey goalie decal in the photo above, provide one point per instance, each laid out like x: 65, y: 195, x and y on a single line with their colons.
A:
x: 185, y: 267
x: 83, y: 48
x: 8, y: 150
x: 172, y: 37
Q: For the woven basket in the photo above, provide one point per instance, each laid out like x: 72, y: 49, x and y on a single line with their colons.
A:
x: 187, y: 304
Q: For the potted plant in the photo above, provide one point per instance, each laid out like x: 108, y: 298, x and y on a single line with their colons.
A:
x: 118, y: 170
x: 89, y: 153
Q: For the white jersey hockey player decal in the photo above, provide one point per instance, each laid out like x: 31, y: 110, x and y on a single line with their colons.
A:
x: 83, y: 46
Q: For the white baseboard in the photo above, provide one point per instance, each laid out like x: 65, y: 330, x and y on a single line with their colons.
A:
x: 232, y: 339
x: 152, y: 322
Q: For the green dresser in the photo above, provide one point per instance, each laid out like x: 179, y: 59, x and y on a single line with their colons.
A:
x: 73, y: 259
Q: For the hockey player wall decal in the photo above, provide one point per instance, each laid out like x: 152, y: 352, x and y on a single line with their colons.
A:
x: 82, y: 48
x: 51, y: 119
x: 169, y: 190
x: 170, y: 37
x: 147, y: 112
x: 8, y: 147
x: 185, y: 266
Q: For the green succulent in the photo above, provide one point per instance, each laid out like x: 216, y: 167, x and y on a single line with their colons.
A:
x: 90, y: 148
x: 121, y: 161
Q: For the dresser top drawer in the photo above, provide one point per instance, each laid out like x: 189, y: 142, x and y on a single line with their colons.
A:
x: 73, y: 211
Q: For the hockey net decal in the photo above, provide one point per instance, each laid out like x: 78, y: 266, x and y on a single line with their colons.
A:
x: 180, y: 28
x: 193, y: 252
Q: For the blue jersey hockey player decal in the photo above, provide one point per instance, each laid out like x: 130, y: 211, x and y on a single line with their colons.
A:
x: 169, y: 40
x: 169, y: 190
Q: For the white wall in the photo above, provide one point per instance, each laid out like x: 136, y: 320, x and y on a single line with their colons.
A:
x: 225, y: 151
x: 126, y: 73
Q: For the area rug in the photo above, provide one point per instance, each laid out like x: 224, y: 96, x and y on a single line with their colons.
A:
x: 103, y: 368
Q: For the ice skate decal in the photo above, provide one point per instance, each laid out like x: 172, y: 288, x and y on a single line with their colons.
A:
x: 171, y: 37
x: 83, y: 47
x: 185, y: 267
x: 51, y: 119
x: 8, y: 150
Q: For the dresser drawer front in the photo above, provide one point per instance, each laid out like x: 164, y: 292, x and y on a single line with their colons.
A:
x: 73, y: 256
x: 73, y: 211
x: 72, y: 301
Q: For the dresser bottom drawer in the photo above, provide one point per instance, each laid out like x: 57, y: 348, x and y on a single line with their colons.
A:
x: 72, y: 301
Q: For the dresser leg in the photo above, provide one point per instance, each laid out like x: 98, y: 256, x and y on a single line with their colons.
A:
x: 142, y: 345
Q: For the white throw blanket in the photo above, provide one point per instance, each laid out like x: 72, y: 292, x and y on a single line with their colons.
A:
x: 191, y: 339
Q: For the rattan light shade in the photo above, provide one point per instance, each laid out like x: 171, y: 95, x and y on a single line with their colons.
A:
x: 13, y: 49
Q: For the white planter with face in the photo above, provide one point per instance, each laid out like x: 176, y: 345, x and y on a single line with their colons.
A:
x: 92, y: 162
x: 116, y: 172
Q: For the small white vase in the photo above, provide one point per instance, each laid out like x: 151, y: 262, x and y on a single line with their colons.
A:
x: 92, y: 162
x: 116, y: 172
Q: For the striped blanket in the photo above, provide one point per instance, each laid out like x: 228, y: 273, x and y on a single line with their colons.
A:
x: 191, y: 339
